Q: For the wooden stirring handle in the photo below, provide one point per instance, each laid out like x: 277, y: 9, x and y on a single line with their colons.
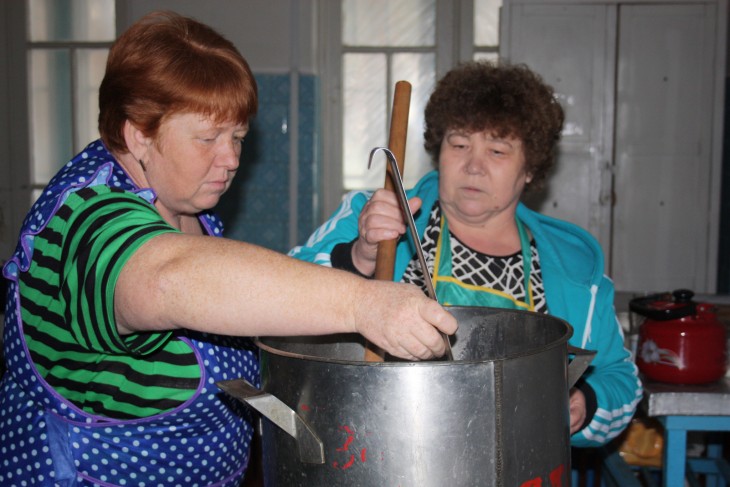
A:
x: 385, y: 259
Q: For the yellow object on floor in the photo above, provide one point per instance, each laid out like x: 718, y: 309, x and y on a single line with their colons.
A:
x: 643, y: 443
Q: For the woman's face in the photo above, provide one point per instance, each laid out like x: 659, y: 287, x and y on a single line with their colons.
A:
x: 481, y: 176
x: 193, y: 162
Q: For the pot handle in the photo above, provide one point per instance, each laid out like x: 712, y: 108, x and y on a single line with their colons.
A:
x: 581, y: 360
x: 311, y: 448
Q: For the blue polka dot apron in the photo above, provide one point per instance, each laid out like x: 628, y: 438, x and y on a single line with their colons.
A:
x: 453, y: 292
x: 46, y: 440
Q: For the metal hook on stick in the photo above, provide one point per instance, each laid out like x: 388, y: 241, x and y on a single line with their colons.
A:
x: 403, y: 199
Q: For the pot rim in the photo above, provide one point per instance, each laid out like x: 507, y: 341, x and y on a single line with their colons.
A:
x: 357, y: 338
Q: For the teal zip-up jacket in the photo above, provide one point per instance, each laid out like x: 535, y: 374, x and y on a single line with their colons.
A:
x: 576, y: 290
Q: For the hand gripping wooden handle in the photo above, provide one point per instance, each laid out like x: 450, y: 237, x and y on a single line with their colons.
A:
x: 385, y: 259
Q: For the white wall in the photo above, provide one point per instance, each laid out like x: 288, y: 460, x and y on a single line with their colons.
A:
x: 274, y: 36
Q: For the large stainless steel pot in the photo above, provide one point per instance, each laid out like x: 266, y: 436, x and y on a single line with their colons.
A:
x: 495, y: 416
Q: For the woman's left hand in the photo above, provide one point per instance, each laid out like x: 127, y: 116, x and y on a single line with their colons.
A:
x: 381, y: 219
x: 577, y: 406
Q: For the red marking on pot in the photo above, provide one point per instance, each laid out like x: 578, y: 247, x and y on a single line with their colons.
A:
x: 556, y: 479
x: 556, y: 476
x: 363, y: 455
x: 349, y: 463
x: 349, y: 440
x: 347, y: 444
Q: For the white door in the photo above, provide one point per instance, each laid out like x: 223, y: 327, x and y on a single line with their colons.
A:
x: 567, y: 45
x: 637, y: 158
x: 663, y: 147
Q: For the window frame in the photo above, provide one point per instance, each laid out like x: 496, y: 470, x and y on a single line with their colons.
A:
x: 72, y: 48
x: 16, y: 131
x: 454, y: 44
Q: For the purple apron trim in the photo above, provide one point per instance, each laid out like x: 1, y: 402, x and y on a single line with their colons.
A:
x: 69, y: 436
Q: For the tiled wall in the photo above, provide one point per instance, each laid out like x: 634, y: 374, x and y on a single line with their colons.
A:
x: 257, y: 207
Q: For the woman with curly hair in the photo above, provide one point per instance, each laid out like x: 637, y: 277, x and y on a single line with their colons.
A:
x: 492, y: 131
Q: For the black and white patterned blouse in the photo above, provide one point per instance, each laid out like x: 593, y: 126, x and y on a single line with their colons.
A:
x: 503, y: 273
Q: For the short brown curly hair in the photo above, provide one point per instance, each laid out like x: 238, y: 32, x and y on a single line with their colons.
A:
x: 510, y: 100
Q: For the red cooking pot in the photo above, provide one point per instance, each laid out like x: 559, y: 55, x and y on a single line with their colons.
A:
x: 680, y: 341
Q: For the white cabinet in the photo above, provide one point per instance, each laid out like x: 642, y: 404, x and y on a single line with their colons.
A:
x: 640, y: 158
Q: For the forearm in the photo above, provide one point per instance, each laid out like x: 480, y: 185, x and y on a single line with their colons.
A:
x: 233, y: 288
x: 617, y: 395
x: 614, y: 380
x: 229, y: 287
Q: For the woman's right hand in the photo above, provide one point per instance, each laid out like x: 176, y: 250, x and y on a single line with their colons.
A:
x: 401, y: 320
x: 380, y: 219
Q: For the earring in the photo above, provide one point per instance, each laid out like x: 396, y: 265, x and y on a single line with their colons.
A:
x: 143, y: 166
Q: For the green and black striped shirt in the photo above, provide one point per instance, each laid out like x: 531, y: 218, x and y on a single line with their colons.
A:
x: 67, y: 300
